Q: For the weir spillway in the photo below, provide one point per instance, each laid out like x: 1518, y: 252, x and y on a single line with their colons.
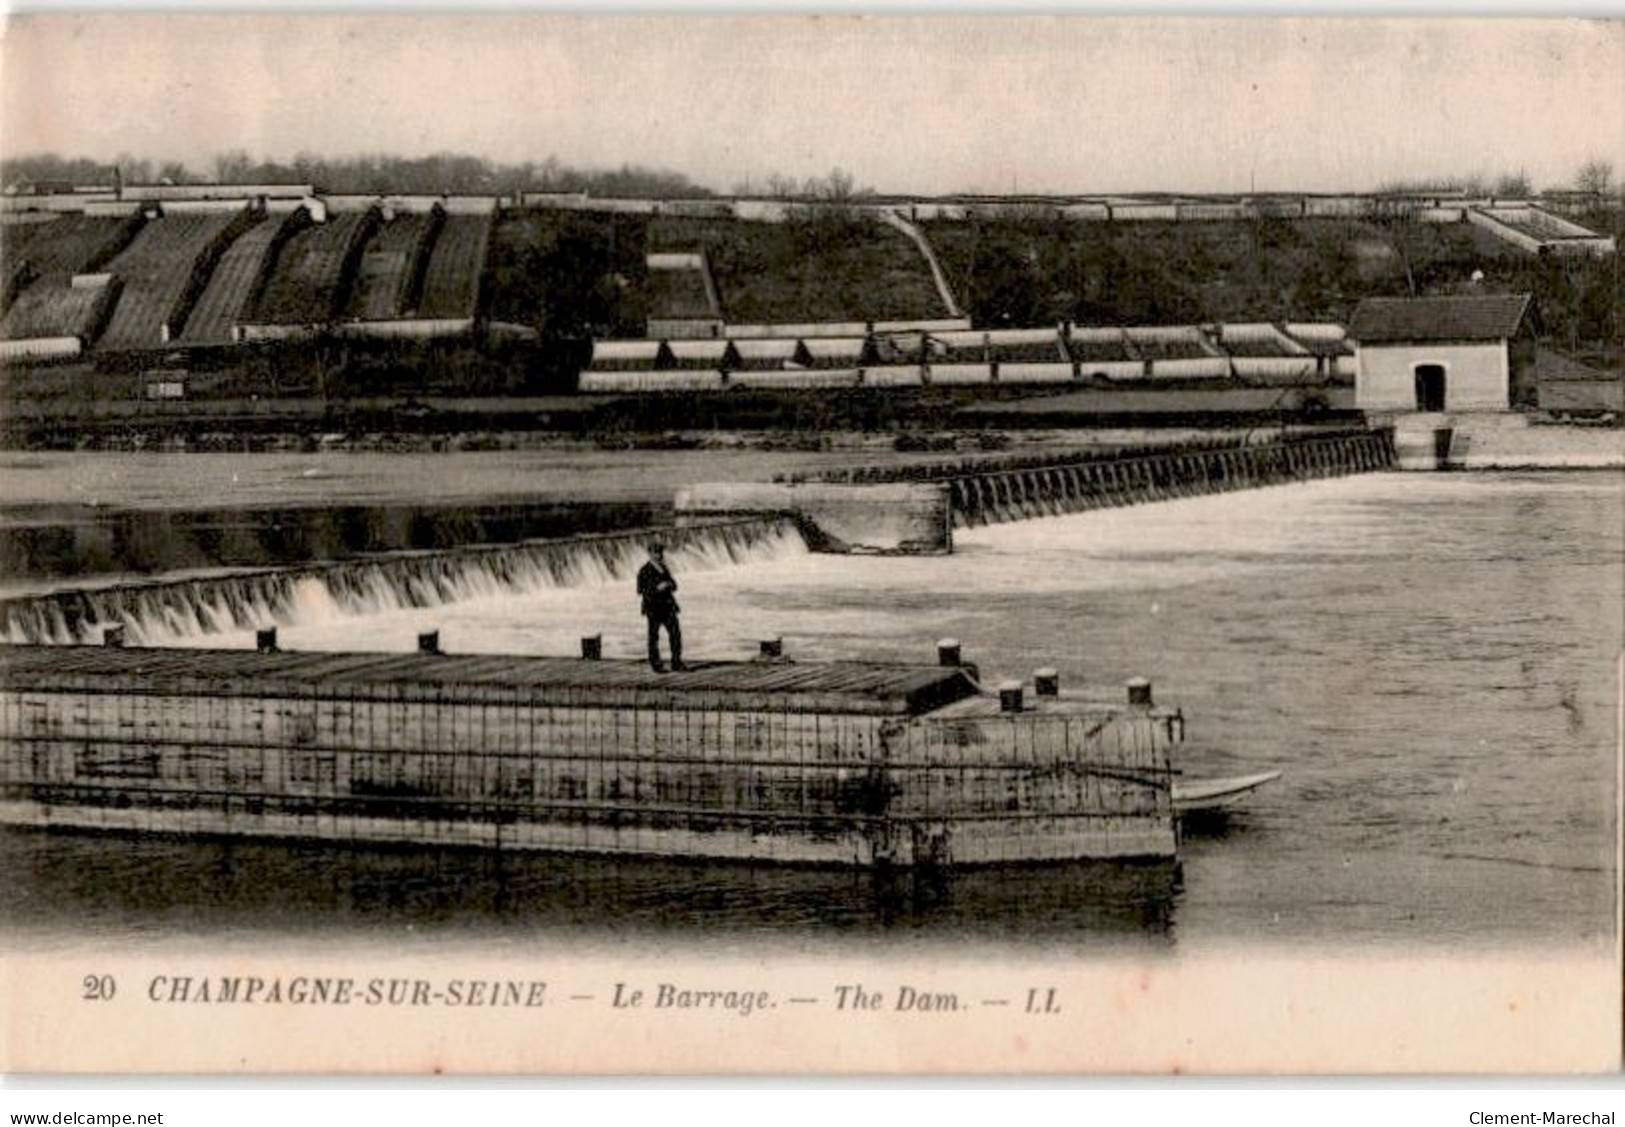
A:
x: 214, y: 604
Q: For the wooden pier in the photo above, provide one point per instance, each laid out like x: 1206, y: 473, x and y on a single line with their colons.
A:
x: 847, y: 763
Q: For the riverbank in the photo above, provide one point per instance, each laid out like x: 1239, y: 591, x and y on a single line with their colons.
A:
x: 563, y: 469
x: 414, y: 422
x: 1515, y: 442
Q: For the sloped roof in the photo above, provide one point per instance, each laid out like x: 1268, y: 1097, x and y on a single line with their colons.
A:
x: 1553, y: 365
x: 1380, y: 320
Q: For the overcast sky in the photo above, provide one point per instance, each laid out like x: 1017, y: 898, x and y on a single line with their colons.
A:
x: 1041, y: 104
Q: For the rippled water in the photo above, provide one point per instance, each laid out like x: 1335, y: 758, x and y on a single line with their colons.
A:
x: 1430, y: 659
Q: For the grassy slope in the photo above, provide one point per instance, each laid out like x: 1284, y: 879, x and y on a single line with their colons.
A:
x: 820, y: 270
x: 1044, y: 271
x: 678, y: 293
x: 572, y: 273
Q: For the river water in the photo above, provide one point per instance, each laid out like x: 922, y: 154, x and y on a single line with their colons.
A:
x: 1431, y: 660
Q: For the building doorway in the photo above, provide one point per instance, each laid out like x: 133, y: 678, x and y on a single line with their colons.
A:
x: 1430, y: 387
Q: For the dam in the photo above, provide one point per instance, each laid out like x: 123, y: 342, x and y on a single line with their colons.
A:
x: 884, y: 510
x: 914, y: 509
x: 844, y: 762
x: 243, y: 600
x: 1248, y: 609
x: 992, y: 490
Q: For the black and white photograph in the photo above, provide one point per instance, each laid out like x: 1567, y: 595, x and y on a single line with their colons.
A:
x: 726, y: 544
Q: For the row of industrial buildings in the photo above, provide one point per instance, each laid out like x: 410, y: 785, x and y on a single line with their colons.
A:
x: 165, y: 266
x: 1456, y: 353
x: 138, y: 274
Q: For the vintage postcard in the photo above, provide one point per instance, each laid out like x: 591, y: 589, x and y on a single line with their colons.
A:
x: 740, y: 544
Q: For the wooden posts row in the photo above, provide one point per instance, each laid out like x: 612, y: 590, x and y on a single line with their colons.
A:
x: 1002, y: 495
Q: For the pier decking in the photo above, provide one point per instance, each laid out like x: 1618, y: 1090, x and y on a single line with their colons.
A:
x: 857, y: 688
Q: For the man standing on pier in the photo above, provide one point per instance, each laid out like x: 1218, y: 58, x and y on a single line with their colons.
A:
x: 657, y: 588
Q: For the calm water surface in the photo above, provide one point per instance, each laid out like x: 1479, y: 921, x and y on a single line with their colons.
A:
x: 1431, y: 660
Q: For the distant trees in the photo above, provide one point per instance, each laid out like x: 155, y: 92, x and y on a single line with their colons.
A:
x: 174, y: 172
x: 51, y: 168
x: 48, y: 167
x: 1595, y: 176
x: 570, y: 275
x: 135, y: 170
x: 627, y: 180
x: 1515, y: 183
x: 840, y: 186
x: 369, y: 173
x: 829, y: 214
x: 232, y: 167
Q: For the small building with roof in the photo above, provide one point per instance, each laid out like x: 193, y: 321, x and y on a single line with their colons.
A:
x: 1453, y: 353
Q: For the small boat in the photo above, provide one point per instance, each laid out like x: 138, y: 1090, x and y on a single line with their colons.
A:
x: 1201, y: 796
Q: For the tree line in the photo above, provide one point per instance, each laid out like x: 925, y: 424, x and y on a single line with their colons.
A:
x: 1594, y: 177
x: 378, y: 174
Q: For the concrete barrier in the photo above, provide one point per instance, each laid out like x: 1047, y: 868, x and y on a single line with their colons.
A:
x: 40, y: 348
x: 1190, y: 368
x: 889, y: 519
x: 1034, y: 372
x: 1116, y: 370
x: 685, y: 328
x: 111, y: 209
x: 1422, y: 442
x: 925, y: 325
x: 674, y: 261
x: 799, y: 330
x: 254, y: 333
x: 203, y: 207
x: 892, y: 375
x: 957, y: 374
x: 1273, y: 367
x: 658, y: 380
x: 409, y: 328
x: 793, y: 379
x: 572, y: 201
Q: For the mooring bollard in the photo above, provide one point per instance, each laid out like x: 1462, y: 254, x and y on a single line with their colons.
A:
x: 592, y: 647
x: 265, y: 640
x: 1010, y: 696
x: 948, y: 652
x: 1139, y: 692
x: 113, y: 636
x: 771, y: 648
x: 1046, y: 682
x: 429, y: 642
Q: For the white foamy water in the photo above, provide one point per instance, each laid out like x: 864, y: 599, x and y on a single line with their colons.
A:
x: 826, y: 602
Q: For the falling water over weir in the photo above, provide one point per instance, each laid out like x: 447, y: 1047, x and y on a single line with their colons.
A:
x: 245, y: 600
